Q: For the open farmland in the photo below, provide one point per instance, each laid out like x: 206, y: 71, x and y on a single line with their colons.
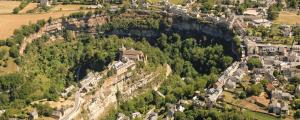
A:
x: 8, y: 6
x: 66, y: 7
x: 288, y: 18
x: 30, y: 6
x: 154, y: 1
x: 8, y: 23
x: 177, y: 2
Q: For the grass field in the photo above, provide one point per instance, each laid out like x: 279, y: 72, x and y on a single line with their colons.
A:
x: 229, y: 97
x: 8, y: 23
x: 260, y: 116
x: 8, y: 65
x: 177, y: 2
x: 8, y: 6
x: 11, y: 67
x: 288, y: 18
x: 154, y: 1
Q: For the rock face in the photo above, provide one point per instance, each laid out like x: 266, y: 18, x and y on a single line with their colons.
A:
x: 185, y: 26
x: 107, y: 95
x: 194, y: 28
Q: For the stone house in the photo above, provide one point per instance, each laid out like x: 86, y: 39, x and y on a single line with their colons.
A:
x: 67, y: 90
x: 293, y: 57
x: 152, y: 116
x: 122, y: 116
x: 132, y: 54
x: 123, y: 66
x: 57, y: 114
x: 290, y: 72
x: 136, y: 115
x: 280, y: 95
x: 45, y: 2
x: 230, y: 84
x: 279, y: 107
x: 286, y: 30
x: 260, y: 22
x: 33, y: 115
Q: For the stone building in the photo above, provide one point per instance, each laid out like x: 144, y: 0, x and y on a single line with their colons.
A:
x: 279, y: 107
x: 123, y: 66
x: 132, y: 54
x: 33, y: 115
x: 45, y: 2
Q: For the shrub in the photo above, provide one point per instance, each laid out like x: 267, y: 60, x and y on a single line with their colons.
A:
x: 254, y: 63
x: 44, y: 109
x: 16, y: 10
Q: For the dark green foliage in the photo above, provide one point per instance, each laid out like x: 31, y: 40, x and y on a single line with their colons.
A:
x: 179, y: 116
x: 43, y: 109
x: 14, y: 52
x: 273, y: 12
x: 207, y: 6
x: 254, y: 89
x: 21, y: 6
x: 242, y: 95
x: 10, y: 82
x: 297, y: 104
x: 77, y: 15
x: 293, y: 4
x: 130, y: 24
x: 254, y: 63
x: 295, y: 80
x: 297, y: 34
x: 297, y: 114
x: 16, y: 10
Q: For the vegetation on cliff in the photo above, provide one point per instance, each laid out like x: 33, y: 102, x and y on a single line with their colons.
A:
x: 47, y: 67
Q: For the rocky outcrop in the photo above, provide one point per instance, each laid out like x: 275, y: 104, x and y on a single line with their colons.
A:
x: 195, y: 27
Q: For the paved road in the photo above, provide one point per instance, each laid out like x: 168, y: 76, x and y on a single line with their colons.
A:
x: 75, y: 108
x: 77, y: 104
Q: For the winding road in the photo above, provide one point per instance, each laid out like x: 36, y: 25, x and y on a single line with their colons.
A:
x: 78, y: 100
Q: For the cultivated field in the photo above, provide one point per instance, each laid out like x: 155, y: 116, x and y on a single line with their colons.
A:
x: 154, y: 1
x: 8, y: 23
x: 177, y: 2
x: 8, y: 6
x: 288, y: 18
x: 66, y: 8
x: 30, y: 6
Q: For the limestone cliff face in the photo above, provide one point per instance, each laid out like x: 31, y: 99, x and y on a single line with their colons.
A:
x: 190, y: 26
x: 135, y: 33
x: 185, y: 27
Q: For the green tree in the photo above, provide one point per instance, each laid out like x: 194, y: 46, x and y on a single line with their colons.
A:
x: 16, y: 10
x: 255, y: 89
x: 44, y: 109
x: 242, y: 95
x: 273, y: 12
x: 297, y: 104
x: 254, y: 63
x: 297, y: 114
x: 180, y: 116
